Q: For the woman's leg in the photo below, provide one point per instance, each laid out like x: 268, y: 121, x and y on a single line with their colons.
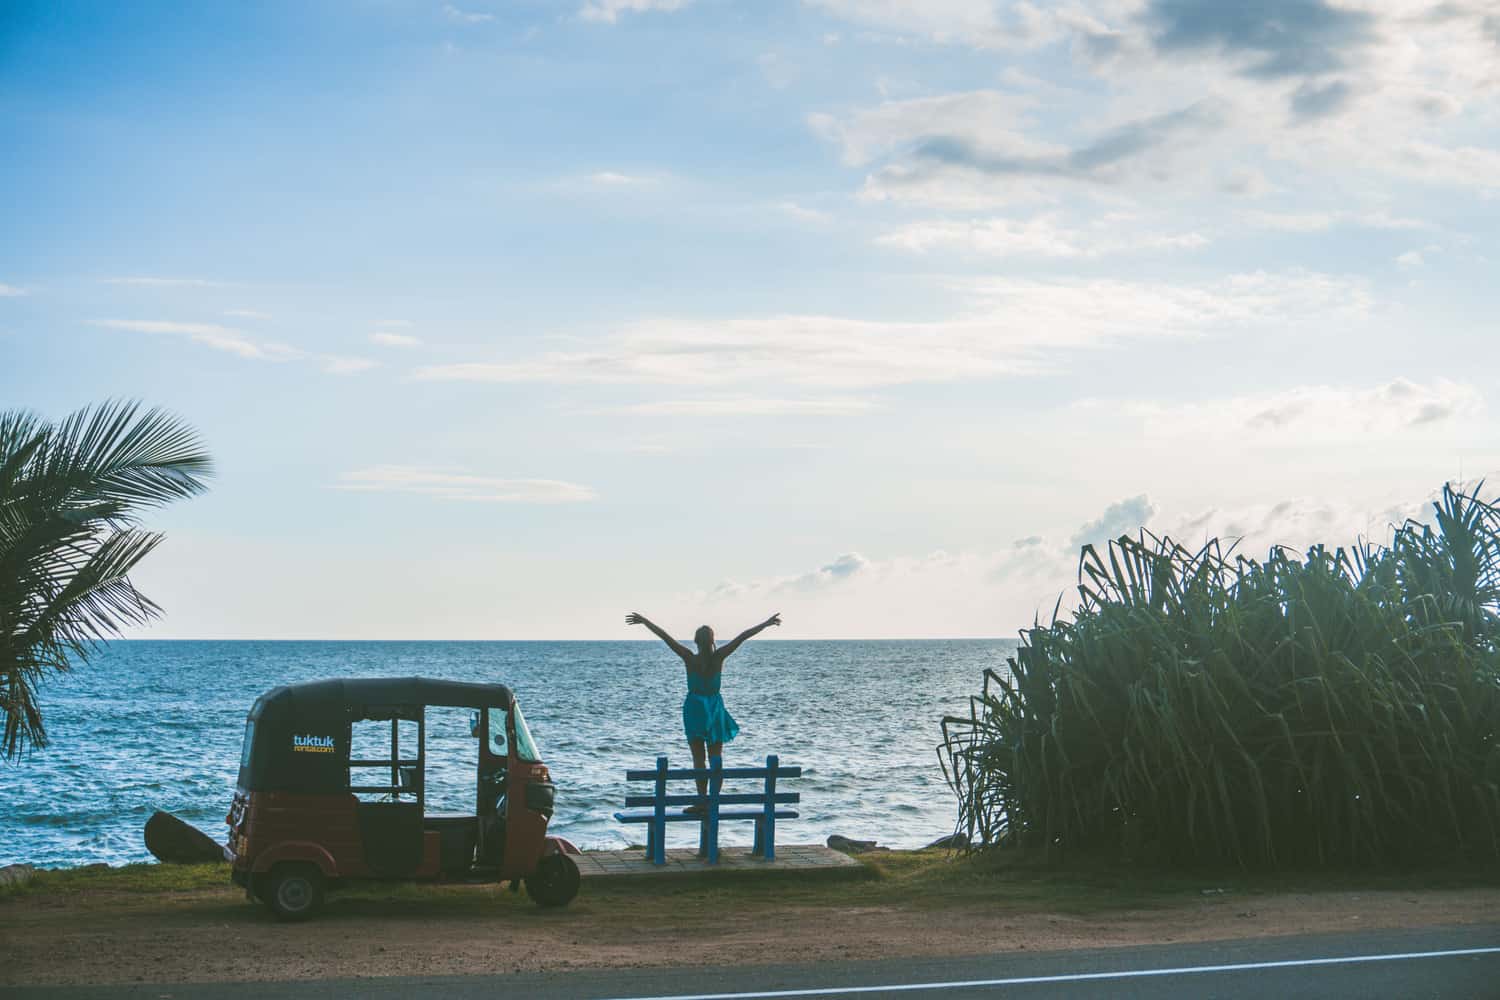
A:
x: 699, y: 761
x: 714, y: 750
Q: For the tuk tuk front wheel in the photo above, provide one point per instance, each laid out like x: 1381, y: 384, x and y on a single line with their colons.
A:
x: 555, y: 881
x: 293, y: 891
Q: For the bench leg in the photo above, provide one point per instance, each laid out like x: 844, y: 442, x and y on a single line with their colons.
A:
x: 656, y: 843
x: 760, y: 834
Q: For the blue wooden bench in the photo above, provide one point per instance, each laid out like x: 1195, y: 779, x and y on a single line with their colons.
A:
x: 660, y: 808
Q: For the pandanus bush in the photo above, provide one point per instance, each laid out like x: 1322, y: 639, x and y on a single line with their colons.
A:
x: 1339, y: 707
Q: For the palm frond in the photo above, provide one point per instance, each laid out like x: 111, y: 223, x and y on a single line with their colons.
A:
x: 70, y: 493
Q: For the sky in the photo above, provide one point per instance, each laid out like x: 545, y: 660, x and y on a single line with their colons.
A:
x: 503, y: 319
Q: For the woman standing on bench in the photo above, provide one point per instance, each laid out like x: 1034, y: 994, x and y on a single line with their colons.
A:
x: 705, y: 720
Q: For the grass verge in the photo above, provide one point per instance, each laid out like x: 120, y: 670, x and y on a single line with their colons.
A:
x: 911, y: 879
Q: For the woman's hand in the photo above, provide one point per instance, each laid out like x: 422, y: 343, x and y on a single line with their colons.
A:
x: 636, y: 618
x: 773, y: 620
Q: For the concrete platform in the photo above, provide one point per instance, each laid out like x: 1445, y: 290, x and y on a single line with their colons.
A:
x: 811, y: 858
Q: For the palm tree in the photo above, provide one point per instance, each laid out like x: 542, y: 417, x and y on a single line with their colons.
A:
x: 70, y: 496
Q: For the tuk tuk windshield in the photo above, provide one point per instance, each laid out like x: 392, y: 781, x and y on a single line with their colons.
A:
x: 249, y: 743
x: 525, y: 746
x: 497, y: 732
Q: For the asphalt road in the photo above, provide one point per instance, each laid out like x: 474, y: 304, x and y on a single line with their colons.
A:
x: 1432, y: 962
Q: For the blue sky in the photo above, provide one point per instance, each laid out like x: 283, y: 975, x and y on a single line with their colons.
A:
x: 503, y: 319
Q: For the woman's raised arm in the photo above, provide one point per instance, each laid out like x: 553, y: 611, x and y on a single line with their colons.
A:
x: 734, y: 643
x: 636, y: 618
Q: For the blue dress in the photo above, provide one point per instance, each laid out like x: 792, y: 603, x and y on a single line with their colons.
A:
x: 704, y: 716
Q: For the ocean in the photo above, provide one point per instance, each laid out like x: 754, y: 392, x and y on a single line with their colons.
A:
x: 150, y: 725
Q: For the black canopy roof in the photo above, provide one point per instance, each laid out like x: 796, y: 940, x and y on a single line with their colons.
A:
x: 298, y: 735
x: 354, y: 692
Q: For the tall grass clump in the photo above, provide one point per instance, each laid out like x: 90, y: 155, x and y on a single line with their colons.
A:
x: 1340, y: 708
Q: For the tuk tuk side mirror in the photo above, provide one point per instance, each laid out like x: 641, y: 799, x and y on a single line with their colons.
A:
x: 474, y: 729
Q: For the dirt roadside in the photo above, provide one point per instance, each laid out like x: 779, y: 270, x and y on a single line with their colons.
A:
x: 212, y: 934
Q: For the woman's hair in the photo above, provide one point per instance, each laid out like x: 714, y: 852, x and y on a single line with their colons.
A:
x: 704, y: 637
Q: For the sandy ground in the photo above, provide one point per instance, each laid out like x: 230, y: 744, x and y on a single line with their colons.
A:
x: 208, y: 936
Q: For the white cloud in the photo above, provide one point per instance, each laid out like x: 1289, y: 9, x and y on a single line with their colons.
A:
x: 981, y: 23
x: 395, y: 339
x: 600, y: 183
x: 347, y: 366
x: 458, y: 484
x: 1296, y: 523
x: 246, y: 314
x: 749, y: 406
x: 1007, y: 327
x: 1245, y: 182
x: 1355, y: 88
x: 150, y: 282
x: 1125, y: 517
x: 1462, y: 166
x: 941, y: 594
x: 609, y: 11
x: 979, y: 149
x: 779, y: 73
x: 991, y: 117
x: 1314, y: 413
x: 615, y: 179
x: 1314, y: 222
x: 845, y: 567
x: 993, y: 593
x: 802, y: 213
x: 237, y: 342
x: 10, y: 291
x: 1040, y: 236
x: 220, y: 338
x: 838, y: 572
x: 464, y: 16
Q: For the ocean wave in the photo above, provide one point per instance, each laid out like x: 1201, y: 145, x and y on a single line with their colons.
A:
x: 130, y: 735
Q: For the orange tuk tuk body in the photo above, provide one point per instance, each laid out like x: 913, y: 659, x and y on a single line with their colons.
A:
x: 306, y: 815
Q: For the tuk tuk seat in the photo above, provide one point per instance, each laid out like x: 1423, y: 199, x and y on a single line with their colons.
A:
x: 458, y: 837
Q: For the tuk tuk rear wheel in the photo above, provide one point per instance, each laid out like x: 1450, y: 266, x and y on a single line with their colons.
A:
x: 555, y: 881
x: 293, y: 891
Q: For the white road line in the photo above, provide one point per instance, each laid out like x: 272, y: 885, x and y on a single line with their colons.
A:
x: 1069, y: 978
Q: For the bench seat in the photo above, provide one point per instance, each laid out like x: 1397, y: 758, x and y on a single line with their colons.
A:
x: 682, y: 815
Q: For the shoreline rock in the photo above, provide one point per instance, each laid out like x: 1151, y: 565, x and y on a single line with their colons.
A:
x: 174, y: 841
x: 952, y: 842
x: 850, y: 846
x: 16, y: 875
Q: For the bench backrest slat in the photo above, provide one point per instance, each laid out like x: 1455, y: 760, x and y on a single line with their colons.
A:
x: 725, y: 798
x: 687, y: 773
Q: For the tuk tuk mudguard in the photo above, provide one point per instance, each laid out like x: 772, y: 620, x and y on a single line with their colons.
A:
x: 560, y: 845
x: 296, y: 850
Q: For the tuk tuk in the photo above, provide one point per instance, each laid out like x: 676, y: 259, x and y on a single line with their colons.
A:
x: 308, y: 814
